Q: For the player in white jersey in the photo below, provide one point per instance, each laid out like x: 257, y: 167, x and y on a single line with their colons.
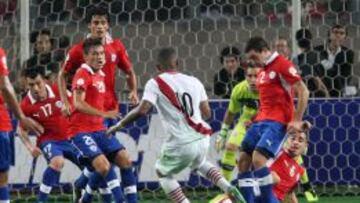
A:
x: 182, y: 103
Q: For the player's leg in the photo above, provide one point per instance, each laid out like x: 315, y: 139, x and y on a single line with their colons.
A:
x: 309, y: 192
x: 246, y: 177
x: 272, y: 138
x: 171, y: 162
x: 228, y: 161
x: 53, y: 153
x: 122, y: 159
x: 5, y: 160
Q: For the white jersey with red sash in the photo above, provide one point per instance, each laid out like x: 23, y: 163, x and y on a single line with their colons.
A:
x: 177, y: 98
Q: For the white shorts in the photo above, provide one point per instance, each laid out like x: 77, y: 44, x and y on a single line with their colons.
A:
x: 173, y: 160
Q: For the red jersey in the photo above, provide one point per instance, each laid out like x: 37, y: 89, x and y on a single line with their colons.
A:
x: 5, y: 121
x: 115, y: 55
x: 93, y: 84
x: 289, y: 172
x: 48, y: 114
x: 274, y: 83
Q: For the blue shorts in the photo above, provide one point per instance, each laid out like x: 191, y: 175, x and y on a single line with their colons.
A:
x: 108, y: 122
x: 94, y: 144
x: 6, y: 152
x: 64, y: 148
x: 266, y: 137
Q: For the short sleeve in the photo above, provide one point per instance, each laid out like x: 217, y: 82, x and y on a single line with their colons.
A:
x: 74, y: 59
x: 81, y: 80
x: 288, y: 72
x: 234, y: 104
x: 4, y: 71
x: 150, y: 92
x: 124, y: 63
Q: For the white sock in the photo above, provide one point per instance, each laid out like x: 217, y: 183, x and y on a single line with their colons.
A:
x: 213, y: 174
x: 173, y: 190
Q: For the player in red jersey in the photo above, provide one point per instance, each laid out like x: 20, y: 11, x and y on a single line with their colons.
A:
x: 43, y: 104
x: 116, y: 57
x: 277, y: 113
x: 8, y: 96
x: 286, y: 170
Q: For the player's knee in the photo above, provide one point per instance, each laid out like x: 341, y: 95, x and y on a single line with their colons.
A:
x: 3, y: 179
x: 57, y: 163
x: 231, y: 147
x: 101, y: 165
x: 259, y: 160
x: 123, y: 159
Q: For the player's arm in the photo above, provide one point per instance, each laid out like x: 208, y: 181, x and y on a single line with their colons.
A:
x: 141, y: 110
x: 24, y: 137
x: 8, y: 94
x: 81, y: 105
x: 303, y: 96
x: 63, y: 92
x: 205, y: 110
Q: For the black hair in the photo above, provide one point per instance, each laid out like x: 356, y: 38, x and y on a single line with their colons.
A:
x: 257, y: 44
x: 97, y: 11
x: 337, y: 26
x: 165, y: 55
x: 33, y: 72
x: 90, y: 43
x: 229, y: 51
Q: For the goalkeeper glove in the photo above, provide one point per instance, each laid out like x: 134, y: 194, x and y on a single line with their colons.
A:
x: 309, y: 193
x: 221, y: 138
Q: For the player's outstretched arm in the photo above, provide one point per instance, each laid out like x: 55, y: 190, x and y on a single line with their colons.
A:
x: 63, y: 94
x: 139, y: 111
x: 9, y: 97
x: 132, y: 84
x: 303, y: 97
x: 24, y: 137
x: 81, y: 105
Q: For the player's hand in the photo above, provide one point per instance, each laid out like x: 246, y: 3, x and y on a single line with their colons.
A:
x: 133, y: 98
x: 114, y: 114
x: 65, y: 109
x: 113, y: 129
x: 31, y: 125
x: 221, y: 139
x: 35, y: 151
x: 247, y: 124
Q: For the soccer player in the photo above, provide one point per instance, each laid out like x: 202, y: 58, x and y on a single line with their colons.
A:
x: 43, y: 104
x: 285, y: 169
x: 86, y: 122
x: 116, y: 57
x: 244, y: 100
x: 8, y: 96
x: 263, y: 140
x: 182, y: 103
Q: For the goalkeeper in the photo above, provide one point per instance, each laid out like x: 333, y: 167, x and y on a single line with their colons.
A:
x: 244, y: 100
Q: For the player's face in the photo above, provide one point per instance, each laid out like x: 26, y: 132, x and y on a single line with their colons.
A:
x: 43, y: 44
x: 37, y: 87
x: 296, y: 143
x: 338, y: 35
x: 282, y: 47
x: 98, y: 26
x: 231, y: 63
x: 256, y: 57
x: 96, y: 57
x: 251, y: 74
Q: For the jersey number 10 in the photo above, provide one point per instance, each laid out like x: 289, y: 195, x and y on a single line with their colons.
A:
x: 186, y: 104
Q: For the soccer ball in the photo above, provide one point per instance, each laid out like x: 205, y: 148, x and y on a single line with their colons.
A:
x: 223, y: 198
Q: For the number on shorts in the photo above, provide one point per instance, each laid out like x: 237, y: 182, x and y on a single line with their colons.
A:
x: 47, y: 150
x: 88, y: 140
x: 186, y: 103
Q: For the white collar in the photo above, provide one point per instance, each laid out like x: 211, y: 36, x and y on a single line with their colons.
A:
x: 331, y: 53
x: 90, y: 70
x: 272, y: 57
x: 50, y: 94
x: 108, y: 38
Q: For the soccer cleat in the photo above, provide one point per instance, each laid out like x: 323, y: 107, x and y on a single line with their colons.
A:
x: 236, y: 195
x: 311, y: 196
x: 77, y: 195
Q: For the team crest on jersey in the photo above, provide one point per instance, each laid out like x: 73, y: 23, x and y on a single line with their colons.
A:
x: 113, y: 57
x: 272, y: 75
x: 58, y: 104
x: 100, y: 86
x: 80, y: 81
